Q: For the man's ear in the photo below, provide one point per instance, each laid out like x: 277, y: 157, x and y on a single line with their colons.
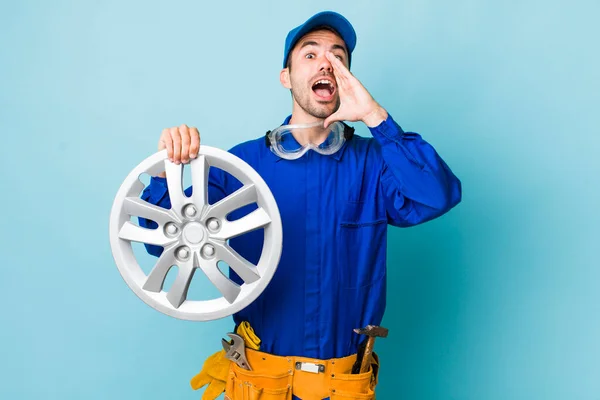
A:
x: 284, y: 78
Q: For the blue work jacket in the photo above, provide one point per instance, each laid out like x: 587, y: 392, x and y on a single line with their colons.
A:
x: 335, y: 210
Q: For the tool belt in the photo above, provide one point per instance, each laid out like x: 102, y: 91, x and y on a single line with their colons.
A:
x: 278, y: 378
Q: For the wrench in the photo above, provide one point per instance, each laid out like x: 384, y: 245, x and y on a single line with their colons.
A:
x: 236, y: 351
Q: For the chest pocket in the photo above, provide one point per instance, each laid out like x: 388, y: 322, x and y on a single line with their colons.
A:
x: 361, y: 245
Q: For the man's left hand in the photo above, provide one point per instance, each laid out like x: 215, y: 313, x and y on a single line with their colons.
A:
x: 356, y: 103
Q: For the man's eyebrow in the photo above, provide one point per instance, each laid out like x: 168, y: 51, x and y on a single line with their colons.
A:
x: 313, y: 43
x: 309, y: 43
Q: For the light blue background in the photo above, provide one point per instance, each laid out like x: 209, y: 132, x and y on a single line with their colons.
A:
x: 497, y: 300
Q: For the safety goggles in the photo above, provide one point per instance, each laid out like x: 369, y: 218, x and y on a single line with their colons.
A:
x: 284, y: 144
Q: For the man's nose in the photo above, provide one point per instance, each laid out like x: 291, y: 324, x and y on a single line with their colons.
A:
x: 325, y: 65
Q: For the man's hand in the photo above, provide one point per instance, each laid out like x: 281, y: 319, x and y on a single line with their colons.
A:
x: 182, y: 144
x: 356, y: 103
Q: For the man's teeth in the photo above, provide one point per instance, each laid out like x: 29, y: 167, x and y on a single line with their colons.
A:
x: 323, y: 81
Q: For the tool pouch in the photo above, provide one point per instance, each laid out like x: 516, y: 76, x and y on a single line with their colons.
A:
x: 259, y: 384
x: 277, y: 378
x: 351, y: 386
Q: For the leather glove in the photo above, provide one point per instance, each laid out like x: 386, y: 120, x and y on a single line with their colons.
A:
x: 214, y: 374
x: 247, y: 333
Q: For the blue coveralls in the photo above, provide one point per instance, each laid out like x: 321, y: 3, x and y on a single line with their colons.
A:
x: 335, y: 211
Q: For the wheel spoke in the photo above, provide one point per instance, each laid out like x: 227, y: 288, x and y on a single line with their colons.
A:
x: 137, y: 207
x: 200, y: 169
x: 175, y: 185
x: 135, y: 233
x: 178, y: 291
x: 228, y: 288
x: 245, y: 269
x: 255, y: 220
x: 241, y: 197
x: 156, y: 278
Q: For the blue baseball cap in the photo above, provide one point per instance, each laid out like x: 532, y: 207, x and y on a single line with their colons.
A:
x: 330, y: 19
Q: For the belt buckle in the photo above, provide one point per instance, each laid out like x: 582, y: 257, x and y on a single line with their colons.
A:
x: 310, y: 367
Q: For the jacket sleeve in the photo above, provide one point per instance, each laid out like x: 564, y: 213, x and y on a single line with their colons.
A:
x: 157, y: 193
x: 417, y: 184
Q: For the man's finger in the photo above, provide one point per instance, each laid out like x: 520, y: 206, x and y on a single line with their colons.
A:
x: 331, y: 119
x: 341, y: 83
x: 167, y: 142
x: 176, y: 145
x: 338, y: 65
x: 185, y: 143
x: 194, y: 142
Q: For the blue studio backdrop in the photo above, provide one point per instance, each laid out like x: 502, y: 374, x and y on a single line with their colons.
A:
x: 497, y: 300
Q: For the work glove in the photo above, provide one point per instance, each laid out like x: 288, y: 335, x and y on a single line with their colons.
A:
x: 214, y: 374
x: 216, y: 367
x: 247, y: 333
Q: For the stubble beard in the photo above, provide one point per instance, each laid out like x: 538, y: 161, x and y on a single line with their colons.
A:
x: 303, y: 99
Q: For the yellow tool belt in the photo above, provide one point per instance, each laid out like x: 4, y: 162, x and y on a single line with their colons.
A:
x: 277, y: 378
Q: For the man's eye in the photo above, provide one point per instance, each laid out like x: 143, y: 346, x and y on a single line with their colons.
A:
x: 340, y: 58
x: 310, y: 55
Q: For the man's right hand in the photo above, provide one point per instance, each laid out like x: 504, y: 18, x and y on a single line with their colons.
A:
x: 182, y: 144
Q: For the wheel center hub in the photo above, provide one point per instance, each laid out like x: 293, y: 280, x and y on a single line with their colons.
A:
x: 193, y: 232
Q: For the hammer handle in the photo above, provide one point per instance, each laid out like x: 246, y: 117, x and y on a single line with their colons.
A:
x: 366, y: 359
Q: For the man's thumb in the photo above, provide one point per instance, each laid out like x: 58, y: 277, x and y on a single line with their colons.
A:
x: 331, y: 119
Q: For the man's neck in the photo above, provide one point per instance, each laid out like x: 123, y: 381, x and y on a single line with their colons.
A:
x: 316, y: 135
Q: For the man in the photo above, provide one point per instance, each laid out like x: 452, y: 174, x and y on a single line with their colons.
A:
x: 335, y: 205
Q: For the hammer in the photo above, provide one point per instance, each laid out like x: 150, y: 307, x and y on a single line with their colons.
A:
x: 372, y: 332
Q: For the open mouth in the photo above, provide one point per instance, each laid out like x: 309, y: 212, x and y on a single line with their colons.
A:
x: 324, y: 89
